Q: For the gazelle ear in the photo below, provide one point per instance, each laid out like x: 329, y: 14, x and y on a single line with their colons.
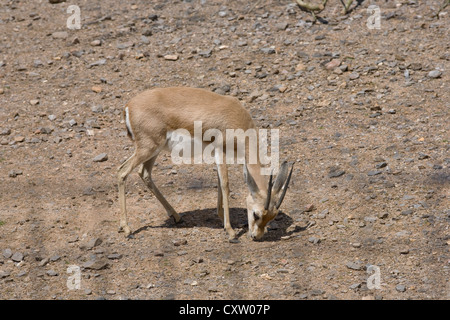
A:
x: 252, y: 186
x: 286, y: 185
x: 281, y: 177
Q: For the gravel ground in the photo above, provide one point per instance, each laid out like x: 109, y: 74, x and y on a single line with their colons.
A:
x: 363, y: 113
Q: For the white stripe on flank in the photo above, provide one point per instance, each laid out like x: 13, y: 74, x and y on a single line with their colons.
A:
x: 127, y: 121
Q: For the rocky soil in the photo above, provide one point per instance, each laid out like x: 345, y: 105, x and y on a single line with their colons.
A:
x: 363, y: 113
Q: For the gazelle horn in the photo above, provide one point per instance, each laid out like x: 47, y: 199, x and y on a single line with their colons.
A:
x: 280, y: 200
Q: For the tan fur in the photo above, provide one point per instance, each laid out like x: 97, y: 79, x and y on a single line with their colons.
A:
x: 154, y: 112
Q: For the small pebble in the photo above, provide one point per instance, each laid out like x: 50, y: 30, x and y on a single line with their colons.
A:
x: 400, y: 288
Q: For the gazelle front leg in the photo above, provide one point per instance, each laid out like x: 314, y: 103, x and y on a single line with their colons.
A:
x: 122, y: 175
x: 224, y: 188
x: 146, y: 175
x: 219, y: 199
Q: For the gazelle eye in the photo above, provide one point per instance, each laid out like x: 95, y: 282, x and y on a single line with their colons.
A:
x: 255, y: 216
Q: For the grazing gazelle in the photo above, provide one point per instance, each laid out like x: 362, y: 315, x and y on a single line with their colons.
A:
x: 151, y: 118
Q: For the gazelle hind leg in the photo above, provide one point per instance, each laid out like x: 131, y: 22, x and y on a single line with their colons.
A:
x: 223, y: 176
x: 146, y: 175
x: 219, y: 199
x: 122, y: 174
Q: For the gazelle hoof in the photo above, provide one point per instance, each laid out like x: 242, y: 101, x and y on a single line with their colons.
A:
x: 177, y: 219
x: 126, y: 230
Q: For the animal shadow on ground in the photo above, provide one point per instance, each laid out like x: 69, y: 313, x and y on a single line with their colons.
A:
x: 208, y: 218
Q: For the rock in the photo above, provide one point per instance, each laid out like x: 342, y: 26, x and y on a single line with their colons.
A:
x: 96, y: 43
x: 381, y: 165
x: 171, y: 57
x: 254, y: 95
x: 400, y: 288
x: 415, y: 66
x: 43, y: 262
x: 34, y: 102
x: 89, y: 191
x: 17, y: 257
x: 21, y: 67
x: 4, y: 274
x: 374, y: 173
x: 5, y: 132
x: 179, y: 242
x: 60, y: 35
x: 78, y: 53
x: 370, y: 219
x: 55, y: 258
x: 354, y: 76
x: 19, y: 139
x: 314, y: 240
x: 14, y: 173
x: 72, y: 122
x: 22, y: 273
x: 7, y: 253
x: 434, y: 74
x: 144, y: 39
x: 317, y: 292
x: 96, y: 264
x: 114, y: 256
x: 355, y: 286
x: 52, y: 273
x: 333, y: 64
x: 423, y: 156
x: 56, y: 1
x: 97, y: 109
x: 407, y: 212
x: 96, y: 89
x: 282, y: 88
x: 91, y: 244
x: 383, y: 215
x: 72, y: 239
x: 404, y: 250
x: 51, y: 117
x: 335, y: 172
x: 44, y: 130
x: 124, y: 45
x: 147, y: 33
x: 282, y: 271
x: 97, y: 63
x: 357, y: 265
x: 268, y: 50
x: 152, y: 17
x: 101, y: 157
x: 309, y: 208
x: 282, y: 25
x: 205, y: 53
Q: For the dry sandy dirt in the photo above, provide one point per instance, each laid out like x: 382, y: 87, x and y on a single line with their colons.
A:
x: 363, y: 112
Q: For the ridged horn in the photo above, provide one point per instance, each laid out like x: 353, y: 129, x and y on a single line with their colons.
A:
x: 286, y: 185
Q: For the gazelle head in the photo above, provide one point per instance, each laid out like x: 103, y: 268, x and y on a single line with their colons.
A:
x: 263, y: 205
